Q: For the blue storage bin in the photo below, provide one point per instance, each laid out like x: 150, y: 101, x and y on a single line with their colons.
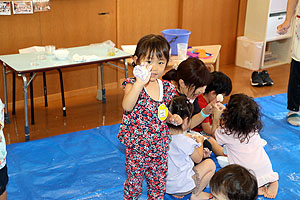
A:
x: 175, y: 36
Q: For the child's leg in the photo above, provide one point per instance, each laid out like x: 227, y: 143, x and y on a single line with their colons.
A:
x: 134, y: 170
x: 271, y: 190
x: 216, y: 148
x: 3, y: 196
x: 203, y: 173
x: 3, y: 182
x: 156, y: 175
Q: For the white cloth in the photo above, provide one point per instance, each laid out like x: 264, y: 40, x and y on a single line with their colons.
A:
x: 141, y: 72
x: 78, y: 58
x: 180, y: 164
x: 2, y: 138
x: 251, y: 155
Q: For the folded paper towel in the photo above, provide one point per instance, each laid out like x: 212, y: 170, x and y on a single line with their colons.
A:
x: 78, y: 58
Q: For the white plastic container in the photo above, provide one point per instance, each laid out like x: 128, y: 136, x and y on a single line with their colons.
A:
x: 248, y: 53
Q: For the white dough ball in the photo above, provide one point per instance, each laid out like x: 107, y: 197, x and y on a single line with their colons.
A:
x: 220, y: 98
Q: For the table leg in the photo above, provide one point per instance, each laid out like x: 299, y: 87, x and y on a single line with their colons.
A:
x: 14, y: 94
x: 103, y: 85
x: 62, y: 92
x: 6, y: 114
x: 27, y: 134
x: 99, y: 86
x: 31, y: 98
x: 126, y: 68
x: 217, y: 62
x: 45, y: 89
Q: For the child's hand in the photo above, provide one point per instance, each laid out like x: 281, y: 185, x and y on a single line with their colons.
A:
x: 219, y: 106
x: 198, y: 138
x: 210, y: 107
x: 206, y: 153
x: 176, y: 120
x: 218, y: 109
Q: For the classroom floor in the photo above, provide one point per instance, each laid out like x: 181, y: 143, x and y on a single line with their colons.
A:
x: 84, y: 111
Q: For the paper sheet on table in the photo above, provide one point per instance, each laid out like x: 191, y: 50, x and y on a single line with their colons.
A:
x: 32, y: 49
x: 78, y: 58
x: 129, y: 48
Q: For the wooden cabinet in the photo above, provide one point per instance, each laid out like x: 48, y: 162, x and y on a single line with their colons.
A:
x: 137, y: 18
x: 212, y: 22
x: 262, y: 19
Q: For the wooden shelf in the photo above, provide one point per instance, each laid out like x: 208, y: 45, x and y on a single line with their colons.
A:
x: 256, y: 27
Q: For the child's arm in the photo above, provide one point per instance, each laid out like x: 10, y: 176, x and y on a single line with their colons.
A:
x: 198, y: 118
x: 132, y: 92
x: 197, y: 155
x: 131, y: 95
x: 207, y: 128
x: 218, y: 109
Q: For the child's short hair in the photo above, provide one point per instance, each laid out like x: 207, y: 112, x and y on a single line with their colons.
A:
x: 181, y: 106
x: 234, y: 182
x: 220, y: 83
x: 192, y: 71
x: 241, y: 117
x: 150, y: 44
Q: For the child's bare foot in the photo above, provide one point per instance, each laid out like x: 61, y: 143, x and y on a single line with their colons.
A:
x: 177, y: 196
x: 201, y: 196
x: 272, y: 190
x: 261, y: 190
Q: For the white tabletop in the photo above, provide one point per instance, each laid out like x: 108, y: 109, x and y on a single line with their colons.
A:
x: 23, y: 63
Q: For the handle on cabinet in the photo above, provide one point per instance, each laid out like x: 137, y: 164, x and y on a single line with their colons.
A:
x: 103, y: 13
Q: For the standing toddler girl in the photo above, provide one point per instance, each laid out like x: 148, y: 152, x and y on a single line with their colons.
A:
x: 239, y: 131
x: 143, y: 129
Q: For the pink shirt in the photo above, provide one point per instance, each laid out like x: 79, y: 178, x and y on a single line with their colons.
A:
x: 250, y: 155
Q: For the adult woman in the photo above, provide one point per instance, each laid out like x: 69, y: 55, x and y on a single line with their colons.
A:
x: 190, y: 79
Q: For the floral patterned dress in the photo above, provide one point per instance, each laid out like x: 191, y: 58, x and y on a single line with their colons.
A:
x: 147, y: 140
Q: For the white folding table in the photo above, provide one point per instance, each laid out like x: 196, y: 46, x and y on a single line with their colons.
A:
x: 29, y: 63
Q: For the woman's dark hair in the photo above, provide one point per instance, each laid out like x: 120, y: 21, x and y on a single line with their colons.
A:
x: 150, y: 44
x: 241, y: 117
x: 220, y: 83
x: 181, y: 106
x: 235, y: 182
x: 192, y: 71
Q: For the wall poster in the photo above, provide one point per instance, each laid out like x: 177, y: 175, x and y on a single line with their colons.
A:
x: 41, y: 5
x: 22, y: 7
x: 5, y: 8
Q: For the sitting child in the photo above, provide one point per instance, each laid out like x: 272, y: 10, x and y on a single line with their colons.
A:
x: 183, y: 177
x: 239, y: 131
x: 220, y: 85
x: 233, y: 182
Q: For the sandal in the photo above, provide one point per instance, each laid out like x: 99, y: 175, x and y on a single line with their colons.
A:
x: 294, y: 119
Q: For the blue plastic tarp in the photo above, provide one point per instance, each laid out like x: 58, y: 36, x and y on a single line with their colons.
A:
x: 90, y: 164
